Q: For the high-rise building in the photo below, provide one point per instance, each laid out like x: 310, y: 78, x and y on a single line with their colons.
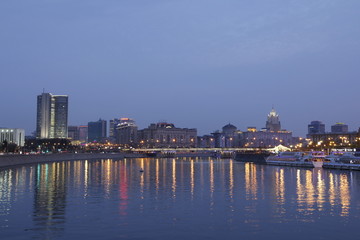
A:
x: 339, y: 128
x: 52, y: 116
x: 113, y: 123
x: 126, y: 132
x: 97, y: 131
x: 273, y: 121
x: 316, y: 127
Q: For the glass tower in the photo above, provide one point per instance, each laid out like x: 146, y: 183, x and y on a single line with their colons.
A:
x: 52, y: 116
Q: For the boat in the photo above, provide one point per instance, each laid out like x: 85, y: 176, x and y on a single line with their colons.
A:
x: 316, y: 158
x: 285, y: 158
x: 343, y: 160
x: 298, y: 159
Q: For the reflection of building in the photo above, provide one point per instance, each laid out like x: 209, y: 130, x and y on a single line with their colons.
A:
x: 126, y: 132
x: 50, y: 197
x: 339, y: 128
x: 167, y: 135
x: 273, y: 121
x: 12, y: 135
x: 97, y: 131
x: 52, y: 116
x: 316, y: 127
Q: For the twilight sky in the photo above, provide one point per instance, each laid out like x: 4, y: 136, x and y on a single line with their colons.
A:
x: 196, y: 63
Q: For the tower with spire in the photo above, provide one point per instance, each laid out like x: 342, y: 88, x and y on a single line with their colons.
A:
x: 273, y: 121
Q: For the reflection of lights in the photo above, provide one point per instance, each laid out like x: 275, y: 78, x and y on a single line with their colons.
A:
x: 123, y: 189
x: 231, y: 179
x: 332, y: 194
x: 174, y: 177
x: 320, y: 189
x: 251, y: 181
x: 344, y: 195
x: 280, y: 186
x: 310, y: 192
x: 212, y: 184
x: 157, y: 175
x: 142, y: 179
x: 192, y: 177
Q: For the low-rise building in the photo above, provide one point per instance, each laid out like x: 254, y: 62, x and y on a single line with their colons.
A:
x: 13, y: 135
x: 161, y: 135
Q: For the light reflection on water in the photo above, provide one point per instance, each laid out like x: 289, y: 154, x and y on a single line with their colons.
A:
x: 187, y: 197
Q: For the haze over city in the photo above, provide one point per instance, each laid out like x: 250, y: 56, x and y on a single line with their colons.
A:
x: 198, y: 64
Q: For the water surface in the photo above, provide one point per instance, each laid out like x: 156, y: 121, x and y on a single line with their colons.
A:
x: 185, y: 198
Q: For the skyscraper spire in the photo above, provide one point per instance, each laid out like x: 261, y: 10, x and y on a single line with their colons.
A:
x: 273, y: 121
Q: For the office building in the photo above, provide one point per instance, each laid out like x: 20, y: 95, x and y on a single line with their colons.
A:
x: 339, y: 128
x: 113, y: 123
x: 126, y: 132
x: 97, y: 131
x: 52, y: 116
x: 316, y: 127
x: 12, y: 135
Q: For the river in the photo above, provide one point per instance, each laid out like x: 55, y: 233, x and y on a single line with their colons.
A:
x: 177, y: 198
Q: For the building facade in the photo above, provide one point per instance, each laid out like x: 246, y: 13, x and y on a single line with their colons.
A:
x: 270, y: 136
x: 273, y: 121
x: 126, y: 132
x: 316, y: 127
x: 97, y: 131
x: 83, y: 133
x: 164, y: 134
x: 13, y: 135
x: 73, y: 133
x: 113, y: 123
x: 264, y: 138
x: 52, y: 116
x: 339, y: 128
x: 336, y: 140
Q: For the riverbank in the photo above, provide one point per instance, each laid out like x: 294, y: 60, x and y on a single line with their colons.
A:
x: 10, y: 160
x: 18, y: 159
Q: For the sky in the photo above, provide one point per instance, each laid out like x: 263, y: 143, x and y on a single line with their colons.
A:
x: 196, y: 63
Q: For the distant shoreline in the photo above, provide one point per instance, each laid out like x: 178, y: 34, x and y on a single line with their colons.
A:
x: 10, y: 160
x: 19, y: 159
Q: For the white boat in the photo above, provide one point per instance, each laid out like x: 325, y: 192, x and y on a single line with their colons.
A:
x: 287, y: 159
x: 301, y: 159
x: 316, y: 158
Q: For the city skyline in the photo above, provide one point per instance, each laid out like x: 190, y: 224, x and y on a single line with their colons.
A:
x: 197, y: 64
x: 273, y: 111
